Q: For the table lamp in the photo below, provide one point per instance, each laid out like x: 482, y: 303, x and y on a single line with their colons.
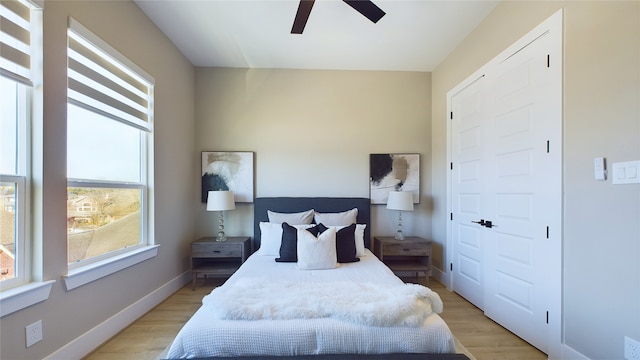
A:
x: 401, y: 201
x: 220, y: 201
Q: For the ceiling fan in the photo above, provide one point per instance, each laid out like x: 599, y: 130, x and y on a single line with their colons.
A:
x: 364, y: 7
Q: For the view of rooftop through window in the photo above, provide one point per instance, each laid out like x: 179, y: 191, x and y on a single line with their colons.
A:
x: 101, y: 220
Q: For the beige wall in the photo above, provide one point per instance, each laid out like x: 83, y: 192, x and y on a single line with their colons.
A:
x: 67, y: 315
x: 312, y: 132
x: 601, y: 242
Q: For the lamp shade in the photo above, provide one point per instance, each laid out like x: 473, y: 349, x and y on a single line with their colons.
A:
x: 220, y: 200
x: 400, y: 200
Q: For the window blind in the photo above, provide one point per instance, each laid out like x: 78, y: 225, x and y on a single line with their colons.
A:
x: 102, y: 80
x: 16, y: 40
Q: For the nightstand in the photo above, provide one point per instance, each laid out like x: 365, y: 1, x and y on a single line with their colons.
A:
x: 218, y: 258
x: 413, y: 254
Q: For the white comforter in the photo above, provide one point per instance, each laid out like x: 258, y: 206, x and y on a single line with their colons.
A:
x: 209, y: 334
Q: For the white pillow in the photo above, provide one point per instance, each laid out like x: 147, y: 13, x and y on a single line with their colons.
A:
x: 317, y: 253
x: 360, y: 239
x: 271, y: 238
x: 359, y: 236
x: 305, y: 217
x: 344, y: 218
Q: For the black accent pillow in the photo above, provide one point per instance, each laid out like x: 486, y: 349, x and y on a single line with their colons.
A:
x: 345, y: 243
x: 289, y: 243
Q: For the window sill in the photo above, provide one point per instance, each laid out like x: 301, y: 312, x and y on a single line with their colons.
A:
x: 100, y: 269
x: 21, y: 297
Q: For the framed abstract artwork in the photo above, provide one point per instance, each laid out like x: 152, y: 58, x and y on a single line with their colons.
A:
x: 225, y: 170
x: 393, y: 172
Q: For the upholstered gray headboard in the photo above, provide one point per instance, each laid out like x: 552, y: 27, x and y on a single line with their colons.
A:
x: 319, y: 204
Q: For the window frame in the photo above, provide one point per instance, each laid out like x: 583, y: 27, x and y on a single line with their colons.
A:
x: 22, y: 181
x: 87, y: 270
x: 31, y: 289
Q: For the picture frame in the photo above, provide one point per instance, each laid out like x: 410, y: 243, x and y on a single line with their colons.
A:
x: 228, y: 170
x: 393, y: 172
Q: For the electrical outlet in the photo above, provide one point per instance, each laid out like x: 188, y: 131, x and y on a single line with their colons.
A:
x: 34, y: 333
x: 631, y: 349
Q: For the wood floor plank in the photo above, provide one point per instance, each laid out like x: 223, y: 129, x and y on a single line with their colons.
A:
x: 148, y: 336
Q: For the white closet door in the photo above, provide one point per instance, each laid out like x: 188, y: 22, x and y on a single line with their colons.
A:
x: 521, y: 183
x: 505, y: 147
x: 468, y: 144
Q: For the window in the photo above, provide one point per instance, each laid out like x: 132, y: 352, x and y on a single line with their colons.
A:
x: 20, y: 47
x: 13, y: 182
x: 109, y: 152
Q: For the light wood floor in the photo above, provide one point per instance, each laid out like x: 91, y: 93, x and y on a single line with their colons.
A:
x: 147, y: 337
x: 484, y: 338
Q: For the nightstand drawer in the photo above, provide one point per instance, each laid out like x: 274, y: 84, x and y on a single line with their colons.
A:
x: 404, y: 249
x: 216, y: 250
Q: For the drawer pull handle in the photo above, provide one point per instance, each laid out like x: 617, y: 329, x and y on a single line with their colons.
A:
x: 217, y: 251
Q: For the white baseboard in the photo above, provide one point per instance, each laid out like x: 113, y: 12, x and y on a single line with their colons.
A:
x: 440, y: 276
x: 568, y: 353
x: 92, y: 339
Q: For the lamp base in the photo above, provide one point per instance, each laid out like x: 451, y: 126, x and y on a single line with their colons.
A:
x: 399, y: 235
x: 221, y: 236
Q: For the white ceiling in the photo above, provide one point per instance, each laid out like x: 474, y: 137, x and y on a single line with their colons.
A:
x: 414, y: 35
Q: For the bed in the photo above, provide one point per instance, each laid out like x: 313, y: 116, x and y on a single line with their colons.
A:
x: 249, y: 317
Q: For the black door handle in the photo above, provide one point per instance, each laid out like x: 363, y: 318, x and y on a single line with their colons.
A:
x: 486, y: 223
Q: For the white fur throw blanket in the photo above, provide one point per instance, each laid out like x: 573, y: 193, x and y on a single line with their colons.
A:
x: 359, y: 303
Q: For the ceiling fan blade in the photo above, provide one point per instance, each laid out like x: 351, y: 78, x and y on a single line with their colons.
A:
x: 304, y: 9
x: 367, y: 8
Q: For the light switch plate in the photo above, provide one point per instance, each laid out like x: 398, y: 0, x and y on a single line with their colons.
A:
x: 627, y: 172
x: 599, y: 169
x: 631, y: 349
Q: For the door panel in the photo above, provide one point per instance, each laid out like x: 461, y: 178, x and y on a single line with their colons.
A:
x: 515, y: 292
x: 468, y: 267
